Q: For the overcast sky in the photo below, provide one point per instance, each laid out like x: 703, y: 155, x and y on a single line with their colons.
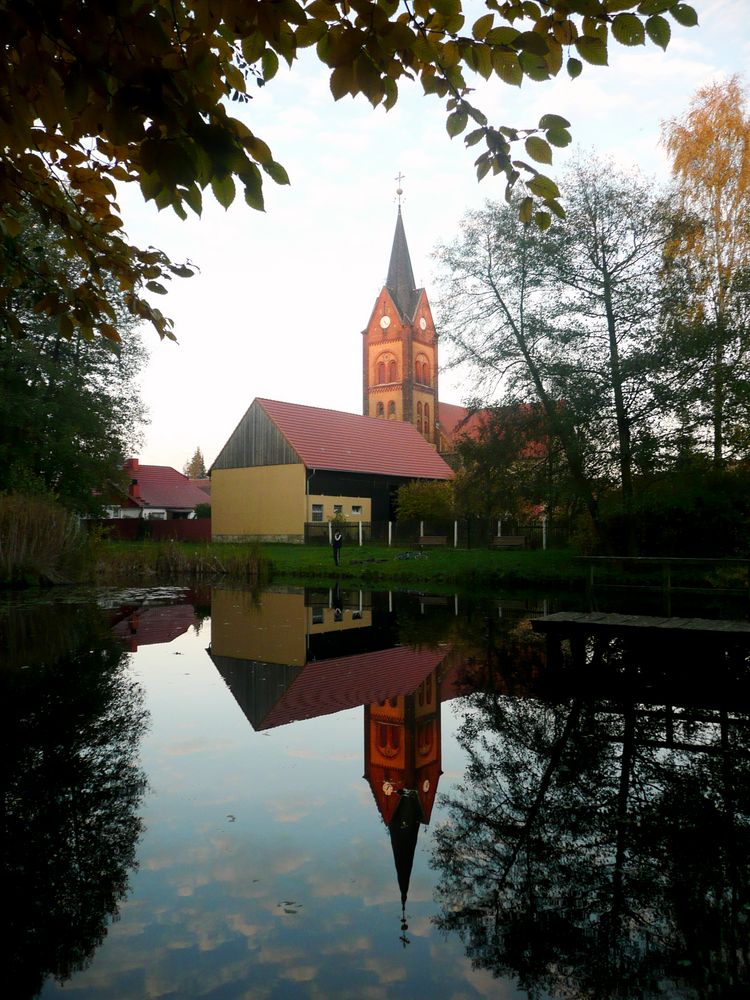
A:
x: 281, y: 297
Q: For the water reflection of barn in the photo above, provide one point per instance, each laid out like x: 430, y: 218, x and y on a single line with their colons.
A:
x: 298, y: 656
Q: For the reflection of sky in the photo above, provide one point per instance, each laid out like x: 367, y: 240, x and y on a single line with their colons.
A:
x: 265, y: 869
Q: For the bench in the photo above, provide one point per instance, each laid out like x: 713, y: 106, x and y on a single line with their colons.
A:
x: 509, y: 542
x: 433, y: 540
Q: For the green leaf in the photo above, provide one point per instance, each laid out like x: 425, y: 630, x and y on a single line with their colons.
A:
x: 654, y: 6
x: 456, y: 123
x: 543, y: 187
x: 658, y: 31
x: 574, y: 67
x: 473, y: 137
x: 532, y: 41
x: 559, y: 137
x: 503, y: 35
x: 538, y: 149
x: 525, y: 210
x: 253, y: 188
x: 194, y: 199
x: 310, y: 33
x: 483, y: 166
x: 628, y: 29
x: 341, y: 81
x: 223, y: 189
x: 154, y: 286
x: 535, y: 67
x: 252, y: 47
x: 507, y: 67
x: 270, y: 64
x: 543, y: 220
x: 482, y: 26
x: 684, y: 14
x: 553, y: 121
x: 592, y: 50
x: 276, y: 172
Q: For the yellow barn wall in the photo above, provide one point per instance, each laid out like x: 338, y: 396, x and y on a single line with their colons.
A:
x: 266, y: 502
x: 346, y: 503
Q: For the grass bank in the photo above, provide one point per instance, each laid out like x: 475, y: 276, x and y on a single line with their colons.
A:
x: 460, y: 567
x: 367, y: 565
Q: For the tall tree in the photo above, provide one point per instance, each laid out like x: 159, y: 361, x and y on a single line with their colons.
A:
x: 605, y: 259
x: 93, y: 94
x: 505, y: 466
x: 70, y: 409
x: 710, y: 151
x: 566, y: 319
x: 495, y: 314
x: 196, y: 467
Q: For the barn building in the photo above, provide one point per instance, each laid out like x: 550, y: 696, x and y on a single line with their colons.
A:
x: 286, y: 464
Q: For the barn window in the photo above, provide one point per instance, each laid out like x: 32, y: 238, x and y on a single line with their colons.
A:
x: 317, y: 512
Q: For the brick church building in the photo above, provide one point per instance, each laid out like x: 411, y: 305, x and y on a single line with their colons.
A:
x: 400, y: 357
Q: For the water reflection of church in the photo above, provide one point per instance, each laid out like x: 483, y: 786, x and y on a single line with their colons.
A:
x: 300, y: 655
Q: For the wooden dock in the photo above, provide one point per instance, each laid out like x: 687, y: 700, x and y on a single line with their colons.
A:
x: 572, y: 622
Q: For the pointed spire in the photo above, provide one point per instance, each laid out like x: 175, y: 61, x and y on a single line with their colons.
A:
x: 404, y: 829
x: 400, y: 280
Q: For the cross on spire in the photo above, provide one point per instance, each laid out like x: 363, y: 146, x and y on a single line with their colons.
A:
x: 399, y: 190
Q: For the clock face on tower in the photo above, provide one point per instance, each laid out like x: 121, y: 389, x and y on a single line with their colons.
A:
x: 385, y: 322
x: 423, y: 323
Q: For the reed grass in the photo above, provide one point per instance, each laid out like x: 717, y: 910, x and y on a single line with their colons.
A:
x: 40, y: 542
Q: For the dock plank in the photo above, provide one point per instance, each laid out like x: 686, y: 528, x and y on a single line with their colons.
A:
x: 598, y: 621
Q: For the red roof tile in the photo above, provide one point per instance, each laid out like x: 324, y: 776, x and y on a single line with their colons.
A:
x: 333, y: 685
x: 333, y: 440
x: 163, y: 486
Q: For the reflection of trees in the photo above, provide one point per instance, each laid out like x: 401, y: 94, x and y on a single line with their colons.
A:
x: 592, y: 853
x: 72, y: 725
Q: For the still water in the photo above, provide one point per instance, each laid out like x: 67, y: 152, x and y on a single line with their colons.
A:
x: 325, y: 793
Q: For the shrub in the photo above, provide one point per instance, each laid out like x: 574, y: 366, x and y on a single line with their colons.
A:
x: 39, y: 541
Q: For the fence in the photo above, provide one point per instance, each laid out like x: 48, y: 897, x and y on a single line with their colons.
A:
x: 132, y: 529
x: 467, y: 533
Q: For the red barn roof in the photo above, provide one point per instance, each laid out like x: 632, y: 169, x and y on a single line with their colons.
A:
x: 161, y: 486
x: 347, y: 442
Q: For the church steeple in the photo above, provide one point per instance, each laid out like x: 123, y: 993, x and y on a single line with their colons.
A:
x: 400, y: 349
x: 400, y: 280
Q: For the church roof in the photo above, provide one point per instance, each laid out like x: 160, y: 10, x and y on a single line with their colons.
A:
x: 346, y: 442
x: 400, y: 280
x: 457, y: 421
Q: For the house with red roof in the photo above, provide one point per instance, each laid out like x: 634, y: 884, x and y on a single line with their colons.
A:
x: 286, y: 464
x: 157, y: 492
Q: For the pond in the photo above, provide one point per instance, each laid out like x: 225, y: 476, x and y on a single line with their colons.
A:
x: 338, y: 793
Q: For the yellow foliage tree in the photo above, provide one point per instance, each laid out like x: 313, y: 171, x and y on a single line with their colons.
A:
x: 710, y: 151
x: 138, y: 92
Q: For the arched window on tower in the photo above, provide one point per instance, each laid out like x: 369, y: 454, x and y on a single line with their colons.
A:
x: 391, y: 410
x: 392, y: 372
x: 425, y: 738
x: 388, y: 739
x: 419, y: 417
x: 380, y: 410
x: 426, y: 373
x: 381, y: 372
x: 427, y: 421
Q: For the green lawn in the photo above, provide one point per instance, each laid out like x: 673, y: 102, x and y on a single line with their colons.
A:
x: 434, y: 565
x: 368, y: 564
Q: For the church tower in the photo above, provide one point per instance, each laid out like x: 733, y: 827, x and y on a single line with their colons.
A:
x: 400, y: 350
